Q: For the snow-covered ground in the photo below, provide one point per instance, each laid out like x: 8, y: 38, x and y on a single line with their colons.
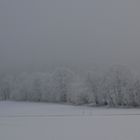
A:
x: 42, y: 121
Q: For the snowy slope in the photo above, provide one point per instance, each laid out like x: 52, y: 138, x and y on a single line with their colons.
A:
x: 41, y: 121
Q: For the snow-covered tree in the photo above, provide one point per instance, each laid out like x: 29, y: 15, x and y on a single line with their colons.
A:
x: 46, y: 94
x: 35, y: 89
x: 93, y: 82
x: 60, y: 84
x: 134, y: 94
x: 116, y: 85
x: 6, y: 87
x: 79, y: 92
x: 20, y: 89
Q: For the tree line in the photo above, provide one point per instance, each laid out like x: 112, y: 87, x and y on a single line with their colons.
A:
x: 115, y: 87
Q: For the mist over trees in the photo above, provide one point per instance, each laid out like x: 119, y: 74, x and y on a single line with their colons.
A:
x: 117, y: 86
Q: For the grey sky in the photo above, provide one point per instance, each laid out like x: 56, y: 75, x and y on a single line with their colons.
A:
x: 34, y: 33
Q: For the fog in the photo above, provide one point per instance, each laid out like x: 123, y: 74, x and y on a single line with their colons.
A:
x: 36, y: 34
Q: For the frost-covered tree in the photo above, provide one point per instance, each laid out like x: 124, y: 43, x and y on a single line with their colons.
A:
x: 93, y: 82
x: 46, y: 94
x: 20, y: 87
x: 60, y: 84
x: 79, y: 92
x: 116, y: 86
x: 6, y: 87
x: 134, y: 94
x: 35, y: 89
x: 28, y: 87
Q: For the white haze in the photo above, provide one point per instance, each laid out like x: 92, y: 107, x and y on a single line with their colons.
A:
x: 35, y: 34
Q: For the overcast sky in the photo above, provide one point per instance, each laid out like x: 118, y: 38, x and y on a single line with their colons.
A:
x: 35, y: 33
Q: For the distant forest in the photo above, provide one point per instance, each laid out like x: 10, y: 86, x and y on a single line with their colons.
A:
x: 115, y: 87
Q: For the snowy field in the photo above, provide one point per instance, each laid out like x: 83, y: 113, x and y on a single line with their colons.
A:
x: 42, y: 121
